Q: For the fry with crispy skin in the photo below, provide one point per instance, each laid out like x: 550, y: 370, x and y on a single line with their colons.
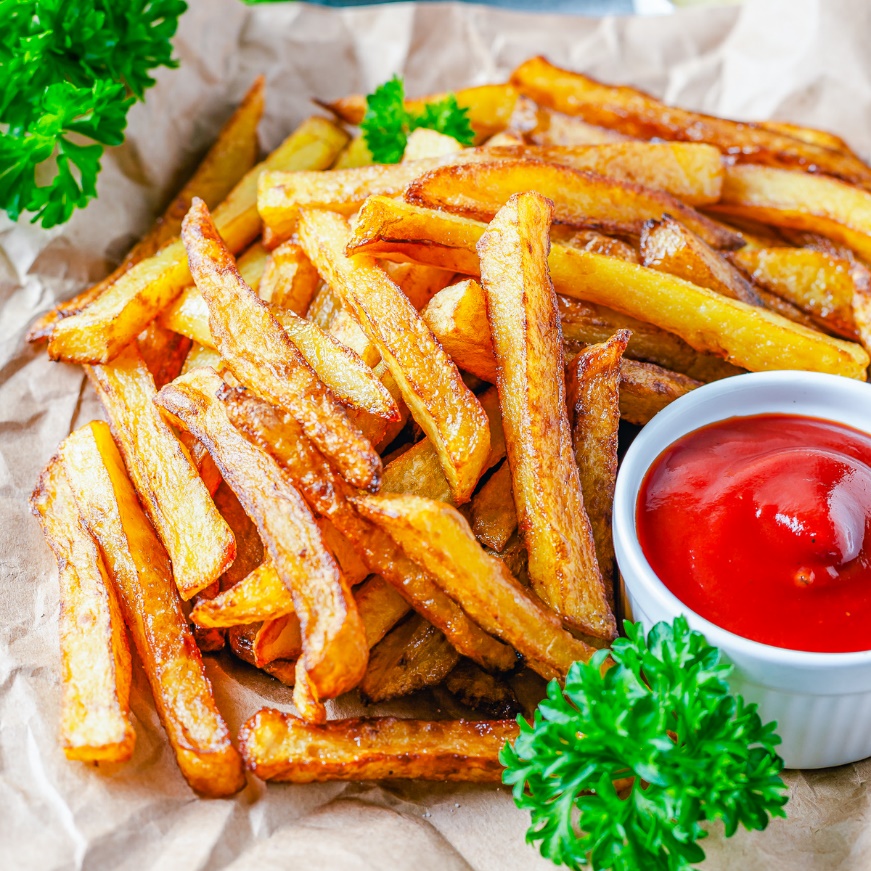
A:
x: 289, y: 279
x: 494, y: 517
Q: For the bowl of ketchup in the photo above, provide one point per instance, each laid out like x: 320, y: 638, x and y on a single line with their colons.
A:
x: 746, y: 506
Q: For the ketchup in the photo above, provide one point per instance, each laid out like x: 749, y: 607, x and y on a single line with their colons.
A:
x: 762, y: 525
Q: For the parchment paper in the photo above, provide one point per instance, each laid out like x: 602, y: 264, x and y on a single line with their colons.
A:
x: 801, y: 60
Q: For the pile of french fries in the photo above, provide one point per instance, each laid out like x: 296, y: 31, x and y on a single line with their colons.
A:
x: 363, y: 420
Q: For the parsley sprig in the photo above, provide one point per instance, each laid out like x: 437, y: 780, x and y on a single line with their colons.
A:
x: 664, y: 715
x: 69, y: 73
x: 387, y: 122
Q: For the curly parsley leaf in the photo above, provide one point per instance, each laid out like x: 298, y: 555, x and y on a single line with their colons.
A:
x: 387, y: 122
x: 69, y: 73
x: 663, y: 715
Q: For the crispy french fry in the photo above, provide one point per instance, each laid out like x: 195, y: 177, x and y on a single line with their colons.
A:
x: 592, y: 393
x: 281, y: 747
x: 355, y: 153
x: 438, y: 537
x: 141, y: 572
x: 305, y: 697
x: 417, y: 470
x: 645, y: 389
x: 95, y: 659
x: 527, y: 341
x: 163, y: 351
x: 261, y: 595
x: 259, y: 353
x: 352, y: 566
x: 334, y: 644
x: 494, y: 517
x: 250, y: 552
x: 809, y: 134
x: 475, y: 688
x: 745, y: 336
x: 419, y: 283
x: 581, y: 198
x: 599, y: 243
x: 439, y: 401
x: 423, y: 143
x: 800, y: 201
x: 380, y: 606
x: 289, y: 279
x: 277, y: 638
x: 324, y: 307
x: 346, y: 330
x: 201, y: 357
x: 124, y: 309
x: 230, y: 157
x: 198, y: 540
x: 411, y: 657
x: 635, y: 113
x: 490, y: 107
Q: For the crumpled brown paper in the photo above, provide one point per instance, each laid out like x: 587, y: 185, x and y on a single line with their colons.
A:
x: 801, y: 60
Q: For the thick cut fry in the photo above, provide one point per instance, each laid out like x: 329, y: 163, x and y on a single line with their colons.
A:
x: 355, y: 153
x: 745, y: 336
x: 438, y: 537
x: 494, y: 517
x: 163, y: 351
x: 411, y: 657
x: 95, y: 658
x: 152, y: 609
x: 527, y: 341
x: 419, y: 283
x: 809, y: 134
x: 198, y: 540
x: 324, y: 307
x: 249, y: 547
x: 423, y: 143
x: 669, y: 246
x: 545, y: 127
x: 800, y: 201
x: 230, y: 157
x: 289, y: 279
x: 345, y: 554
x: 279, y: 638
x: 692, y: 172
x: 305, y: 697
x: 260, y: 355
x: 380, y: 606
x: 580, y: 198
x: 635, y: 113
x: 431, y: 386
x: 483, y: 692
x: 281, y: 747
x: 260, y: 595
x: 645, y: 389
x: 333, y: 640
x: 124, y: 309
x: 599, y: 243
x: 835, y: 291
x: 201, y: 357
x: 418, y: 470
x: 592, y: 394
x: 490, y: 107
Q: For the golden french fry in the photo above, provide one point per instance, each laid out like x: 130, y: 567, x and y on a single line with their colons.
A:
x: 261, y: 595
x: 305, y: 697
x: 431, y: 386
x: 289, y: 279
x: 438, y: 537
x: 419, y: 283
x: 124, y: 309
x: 593, y: 381
x: 163, y: 352
x: 198, y: 540
x: 233, y: 153
x: 201, y: 357
x: 355, y: 153
x: 599, y: 243
x: 645, y: 389
x: 745, y: 336
x: 324, y: 307
x: 259, y: 353
x: 95, y: 658
x: 281, y: 747
x: 475, y: 688
x: 524, y: 326
x: 345, y: 554
x: 823, y: 138
x: 141, y: 572
x: 490, y: 107
x: 333, y: 640
x: 423, y: 143
x: 800, y: 201
x: 633, y: 112
x: 494, y: 517
x: 277, y: 638
x: 580, y: 198
x: 411, y: 657
x: 380, y: 606
x: 545, y: 127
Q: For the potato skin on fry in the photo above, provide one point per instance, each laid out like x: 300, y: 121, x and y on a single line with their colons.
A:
x: 95, y: 664
x: 281, y: 747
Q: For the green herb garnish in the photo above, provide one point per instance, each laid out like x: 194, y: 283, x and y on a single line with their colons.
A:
x: 665, y: 716
x: 69, y: 73
x: 387, y: 123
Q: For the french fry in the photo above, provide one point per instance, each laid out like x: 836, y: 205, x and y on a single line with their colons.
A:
x: 745, y: 336
x: 490, y: 107
x: 419, y: 283
x: 437, y: 537
x: 527, y: 341
x: 277, y: 638
x: 289, y: 279
x: 412, y: 656
x: 250, y: 552
x: 201, y: 357
x: 198, y: 540
x: 593, y: 396
x: 233, y: 153
x: 423, y: 143
x: 635, y: 113
x: 95, y: 665
x: 355, y: 153
x: 494, y: 517
x: 333, y: 641
x: 324, y: 307
x: 260, y: 355
x: 345, y: 554
x: 261, y: 595
x: 380, y: 606
x: 124, y: 309
x: 305, y: 697
x: 599, y: 243
x: 645, y: 389
x: 823, y: 138
x: 580, y: 198
x: 475, y: 688
x: 800, y: 201
x: 141, y: 573
x: 346, y: 330
x: 418, y: 470
x: 281, y: 747
x: 163, y: 352
x: 439, y: 401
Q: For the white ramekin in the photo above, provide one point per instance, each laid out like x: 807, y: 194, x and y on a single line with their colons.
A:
x: 821, y: 701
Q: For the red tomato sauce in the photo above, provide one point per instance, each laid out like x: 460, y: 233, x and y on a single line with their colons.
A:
x: 762, y: 525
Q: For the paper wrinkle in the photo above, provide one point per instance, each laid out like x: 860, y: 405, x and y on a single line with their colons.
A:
x: 800, y: 60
